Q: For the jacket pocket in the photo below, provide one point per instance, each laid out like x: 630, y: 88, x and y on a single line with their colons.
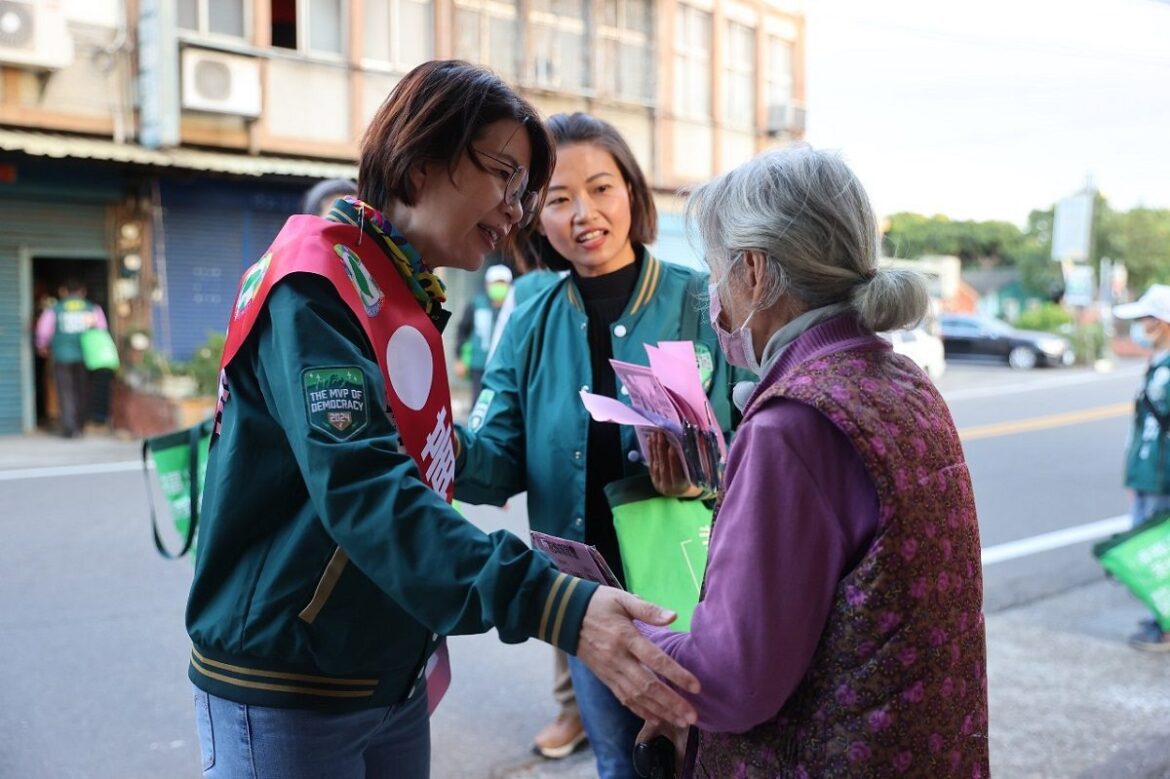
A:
x: 325, y: 586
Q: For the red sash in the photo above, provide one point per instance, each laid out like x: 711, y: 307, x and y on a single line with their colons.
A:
x: 408, y: 346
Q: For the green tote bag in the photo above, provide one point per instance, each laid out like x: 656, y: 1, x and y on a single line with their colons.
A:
x: 180, y: 459
x: 663, y: 543
x: 1140, y: 559
x: 98, y: 350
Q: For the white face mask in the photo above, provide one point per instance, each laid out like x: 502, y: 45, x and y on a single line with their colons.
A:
x: 737, y: 346
x: 1138, y: 334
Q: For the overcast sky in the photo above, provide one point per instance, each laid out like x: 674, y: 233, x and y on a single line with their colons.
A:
x: 985, y: 110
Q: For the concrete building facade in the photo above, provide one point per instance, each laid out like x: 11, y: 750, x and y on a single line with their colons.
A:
x: 155, y: 146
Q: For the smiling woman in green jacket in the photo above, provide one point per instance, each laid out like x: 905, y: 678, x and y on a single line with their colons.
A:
x: 330, y: 561
x: 528, y: 429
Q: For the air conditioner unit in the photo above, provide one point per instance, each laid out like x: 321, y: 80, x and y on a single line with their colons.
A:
x: 785, y: 118
x: 221, y: 83
x: 33, y: 34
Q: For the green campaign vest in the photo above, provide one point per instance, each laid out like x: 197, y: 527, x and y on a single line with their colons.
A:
x: 74, y: 316
x: 484, y: 316
x: 1147, y: 462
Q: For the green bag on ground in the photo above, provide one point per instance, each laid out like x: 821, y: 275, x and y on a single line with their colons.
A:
x: 663, y: 542
x: 1140, y: 559
x: 180, y: 459
x: 98, y: 350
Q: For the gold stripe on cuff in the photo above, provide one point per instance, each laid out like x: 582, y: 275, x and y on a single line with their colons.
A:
x: 556, y: 634
x: 548, y: 605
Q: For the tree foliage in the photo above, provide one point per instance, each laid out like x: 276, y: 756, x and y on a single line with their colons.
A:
x: 1139, y: 237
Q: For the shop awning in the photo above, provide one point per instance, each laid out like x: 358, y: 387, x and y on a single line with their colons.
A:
x: 57, y: 145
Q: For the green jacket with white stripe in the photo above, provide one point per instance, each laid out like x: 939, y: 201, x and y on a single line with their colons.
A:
x: 528, y: 428
x: 276, y: 616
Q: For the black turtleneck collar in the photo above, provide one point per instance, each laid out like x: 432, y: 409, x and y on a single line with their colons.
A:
x: 617, y: 285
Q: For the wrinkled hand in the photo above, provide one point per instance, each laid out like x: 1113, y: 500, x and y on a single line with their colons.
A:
x: 626, y: 661
x: 678, y: 737
x: 666, y: 470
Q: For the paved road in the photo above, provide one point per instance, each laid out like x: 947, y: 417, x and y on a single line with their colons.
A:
x: 93, y: 645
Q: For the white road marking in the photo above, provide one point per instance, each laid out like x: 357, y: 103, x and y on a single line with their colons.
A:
x: 71, y: 470
x: 1046, y: 542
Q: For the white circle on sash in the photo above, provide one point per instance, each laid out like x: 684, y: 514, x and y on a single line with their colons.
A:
x: 408, y: 361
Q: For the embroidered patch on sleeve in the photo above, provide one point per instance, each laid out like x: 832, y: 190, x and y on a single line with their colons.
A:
x: 479, y: 413
x: 336, y: 400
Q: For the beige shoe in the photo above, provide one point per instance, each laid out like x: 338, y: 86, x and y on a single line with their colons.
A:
x: 561, y: 737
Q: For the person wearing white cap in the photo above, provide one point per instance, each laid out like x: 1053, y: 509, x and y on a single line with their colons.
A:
x: 1147, y: 466
x: 478, y: 324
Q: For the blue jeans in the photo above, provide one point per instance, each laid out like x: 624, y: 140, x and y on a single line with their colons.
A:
x: 238, y: 741
x: 1146, y: 505
x: 610, y: 726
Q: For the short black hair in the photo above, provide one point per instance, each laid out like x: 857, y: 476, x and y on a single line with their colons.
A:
x: 433, y: 115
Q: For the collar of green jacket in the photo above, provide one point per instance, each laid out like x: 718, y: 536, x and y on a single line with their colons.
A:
x: 648, y: 282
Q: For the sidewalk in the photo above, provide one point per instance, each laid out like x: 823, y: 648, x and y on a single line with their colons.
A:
x: 1068, y: 697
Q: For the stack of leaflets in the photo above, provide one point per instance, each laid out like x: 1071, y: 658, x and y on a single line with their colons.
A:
x: 575, y: 558
x: 668, y: 396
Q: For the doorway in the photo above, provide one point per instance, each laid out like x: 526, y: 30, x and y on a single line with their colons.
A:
x: 49, y: 275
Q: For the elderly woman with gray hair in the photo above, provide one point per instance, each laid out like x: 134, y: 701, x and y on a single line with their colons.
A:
x: 841, y: 630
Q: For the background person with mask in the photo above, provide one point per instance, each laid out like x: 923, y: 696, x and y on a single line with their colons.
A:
x: 1147, y: 468
x: 478, y: 324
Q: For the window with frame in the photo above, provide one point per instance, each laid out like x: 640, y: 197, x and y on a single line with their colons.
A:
x: 739, y: 75
x: 311, y: 26
x: 400, y: 33
x: 625, y: 50
x: 213, y: 17
x: 778, y: 84
x: 486, y: 33
x: 557, y: 46
x: 692, y: 62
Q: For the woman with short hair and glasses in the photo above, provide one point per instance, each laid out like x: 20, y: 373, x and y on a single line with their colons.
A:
x: 528, y: 430
x: 330, y: 562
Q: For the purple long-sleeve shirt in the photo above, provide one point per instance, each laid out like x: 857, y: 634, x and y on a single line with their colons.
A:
x: 798, y: 513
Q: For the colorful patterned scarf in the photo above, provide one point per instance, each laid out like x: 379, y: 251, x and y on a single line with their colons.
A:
x: 427, y: 288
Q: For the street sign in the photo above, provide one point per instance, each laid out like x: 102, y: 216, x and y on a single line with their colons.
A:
x: 1072, y: 227
x: 1078, y: 285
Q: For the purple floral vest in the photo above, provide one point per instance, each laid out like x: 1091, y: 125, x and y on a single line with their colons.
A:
x: 898, y: 683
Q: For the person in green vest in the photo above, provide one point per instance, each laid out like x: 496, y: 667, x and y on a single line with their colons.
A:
x: 478, y: 324
x: 1147, y: 457
x: 331, y: 564
x: 533, y: 279
x: 528, y: 430
x: 58, y: 334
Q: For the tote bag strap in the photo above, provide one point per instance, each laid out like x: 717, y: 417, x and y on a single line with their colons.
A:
x: 193, y: 438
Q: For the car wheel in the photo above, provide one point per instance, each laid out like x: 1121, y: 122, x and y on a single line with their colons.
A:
x: 1022, y: 358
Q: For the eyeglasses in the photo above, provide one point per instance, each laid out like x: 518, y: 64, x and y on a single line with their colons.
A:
x: 515, y: 194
